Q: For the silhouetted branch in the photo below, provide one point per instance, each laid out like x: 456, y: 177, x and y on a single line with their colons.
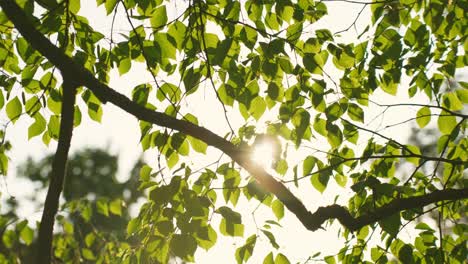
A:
x: 57, y: 175
x: 355, y: 223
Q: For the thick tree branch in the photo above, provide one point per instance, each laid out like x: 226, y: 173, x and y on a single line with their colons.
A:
x: 355, y: 223
x: 311, y: 221
x: 44, y: 250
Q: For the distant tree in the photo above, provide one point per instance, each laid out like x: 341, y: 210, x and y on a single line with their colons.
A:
x: 251, y: 58
x: 96, y: 204
x: 91, y: 173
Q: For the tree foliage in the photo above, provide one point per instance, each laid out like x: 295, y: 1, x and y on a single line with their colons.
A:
x: 95, y: 212
x: 269, y: 63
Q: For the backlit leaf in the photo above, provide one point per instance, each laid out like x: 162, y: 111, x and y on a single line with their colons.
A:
x: 446, y: 123
x: 159, y: 17
x: 37, y: 127
x: 423, y: 116
x: 14, y: 109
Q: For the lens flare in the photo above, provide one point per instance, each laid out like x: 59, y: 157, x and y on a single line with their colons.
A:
x: 263, y: 155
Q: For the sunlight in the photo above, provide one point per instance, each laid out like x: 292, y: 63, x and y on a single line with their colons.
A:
x: 263, y: 154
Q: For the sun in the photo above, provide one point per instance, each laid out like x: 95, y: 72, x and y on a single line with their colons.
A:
x: 263, y: 154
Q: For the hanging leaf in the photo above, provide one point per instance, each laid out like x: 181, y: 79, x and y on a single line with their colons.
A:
x: 14, y: 109
x: 423, y: 116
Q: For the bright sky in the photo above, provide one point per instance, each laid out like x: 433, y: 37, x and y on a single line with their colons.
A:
x: 119, y: 132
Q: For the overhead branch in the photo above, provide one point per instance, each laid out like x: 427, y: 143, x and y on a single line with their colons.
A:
x: 355, y: 223
x: 311, y: 221
x: 57, y: 175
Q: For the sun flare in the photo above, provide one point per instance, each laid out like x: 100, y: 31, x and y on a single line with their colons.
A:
x: 263, y: 154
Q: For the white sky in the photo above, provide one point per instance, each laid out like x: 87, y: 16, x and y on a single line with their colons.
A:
x: 120, y: 133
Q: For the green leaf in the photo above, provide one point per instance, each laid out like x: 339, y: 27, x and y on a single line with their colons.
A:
x: 257, y: 107
x: 14, y: 109
x: 308, y: 165
x: 294, y: 32
x: 231, y: 223
x: 334, y: 111
x: 95, y: 112
x: 281, y: 166
x: 27, y: 235
x: 177, y: 30
x: 278, y: 209
x: 355, y: 112
x: 94, y: 106
x: 133, y: 226
x: 180, y: 144
x: 68, y: 227
x: 207, y: 237
x: 286, y: 13
x: 245, y: 252
x: 172, y: 159
x: 110, y: 5
x: 415, y: 150
x: 314, y: 62
x: 388, y: 84
x: 183, y: 246
x: 74, y: 6
x: 115, y: 207
x: 191, y: 80
x: 88, y: 254
x: 268, y: 259
x: 145, y: 173
x: 2, y: 100
x: 341, y: 179
x: 197, y: 145
x: 102, y: 207
x: 124, y: 66
x: 462, y: 94
x: 140, y: 94
x: 53, y: 127
x: 89, y: 239
x: 320, y: 125
x: 32, y: 106
x: 249, y: 37
x: 230, y: 229
x: 77, y: 116
x: 169, y: 91
x: 319, y: 181
x: 271, y: 238
x: 281, y: 259
x: 159, y: 17
x: 446, y: 122
x: 391, y: 224
x: 450, y: 100
x: 423, y: 116
x: 330, y: 259
x: 229, y: 214
x: 405, y: 254
x: 324, y: 35
x: 37, y: 127
x: 167, y: 47
x: 54, y: 102
x: 377, y: 253
x: 86, y: 212
x: 224, y: 95
x: 334, y: 135
x: 271, y: 21
x: 423, y: 226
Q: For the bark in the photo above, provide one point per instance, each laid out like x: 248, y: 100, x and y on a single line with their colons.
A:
x: 46, y: 228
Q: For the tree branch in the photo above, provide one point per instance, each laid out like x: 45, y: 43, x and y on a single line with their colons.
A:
x: 355, y: 223
x: 58, y: 173
x: 311, y: 221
